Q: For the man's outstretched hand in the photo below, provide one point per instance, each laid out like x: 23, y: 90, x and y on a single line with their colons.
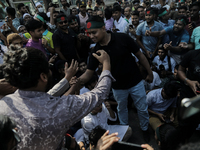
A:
x: 71, y: 71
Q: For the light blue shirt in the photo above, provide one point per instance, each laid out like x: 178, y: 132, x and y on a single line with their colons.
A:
x: 157, y: 103
x: 149, y: 42
x: 195, y: 38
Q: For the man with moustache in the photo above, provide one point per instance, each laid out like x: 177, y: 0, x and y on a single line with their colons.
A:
x: 177, y: 36
x: 149, y: 44
x: 64, y: 40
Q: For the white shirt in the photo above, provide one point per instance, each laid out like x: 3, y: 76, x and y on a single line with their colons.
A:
x: 121, y: 24
x: 159, y: 62
x: 156, y: 82
x: 90, y: 121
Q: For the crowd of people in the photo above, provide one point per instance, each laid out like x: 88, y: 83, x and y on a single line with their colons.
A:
x: 67, y: 76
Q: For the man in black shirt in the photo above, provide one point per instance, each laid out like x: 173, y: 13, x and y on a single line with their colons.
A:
x: 124, y: 69
x: 64, y: 40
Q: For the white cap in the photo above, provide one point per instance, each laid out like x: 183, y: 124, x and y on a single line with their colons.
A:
x: 20, y: 27
x: 26, y: 15
x: 37, y: 4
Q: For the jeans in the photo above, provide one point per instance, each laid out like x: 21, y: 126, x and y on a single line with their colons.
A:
x: 138, y: 95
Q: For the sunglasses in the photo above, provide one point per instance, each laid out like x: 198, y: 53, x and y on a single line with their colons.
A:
x: 61, y: 23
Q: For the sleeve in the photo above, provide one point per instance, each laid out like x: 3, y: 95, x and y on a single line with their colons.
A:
x: 132, y: 46
x: 108, y: 114
x: 192, y: 39
x: 186, y: 59
x: 56, y: 40
x: 168, y: 29
x: 157, y: 79
x: 150, y: 98
x: 77, y: 106
x: 93, y: 62
x: 185, y: 37
x: 59, y: 88
x: 139, y: 30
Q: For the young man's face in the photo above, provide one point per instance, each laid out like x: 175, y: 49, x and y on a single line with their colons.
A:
x: 74, y: 12
x: 37, y: 33
x: 100, y: 14
x: 127, y: 12
x: 116, y: 15
x: 178, y: 26
x: 161, y: 54
x: 23, y: 10
x: 182, y: 12
x: 17, y: 42
x: 166, y: 16
x: 89, y: 3
x: 96, y: 34
x: 135, y: 5
x: 27, y: 18
x: 135, y: 19
x: 63, y: 25
x: 63, y: 2
x: 23, y: 30
x: 74, y: 26
x: 149, y: 18
x: 141, y: 12
x: 194, y: 11
x: 83, y: 66
x: 83, y: 9
x: 90, y: 12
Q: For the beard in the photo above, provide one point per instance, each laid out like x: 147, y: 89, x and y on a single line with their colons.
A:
x: 49, y: 83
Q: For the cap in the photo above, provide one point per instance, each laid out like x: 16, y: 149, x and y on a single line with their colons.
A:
x: 37, y: 4
x: 82, y: 4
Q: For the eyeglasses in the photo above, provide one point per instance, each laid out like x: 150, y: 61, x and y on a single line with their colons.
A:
x: 61, y: 23
x: 17, y: 138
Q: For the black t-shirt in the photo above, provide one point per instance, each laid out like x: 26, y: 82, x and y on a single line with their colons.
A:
x: 191, y: 60
x: 123, y: 66
x: 66, y: 42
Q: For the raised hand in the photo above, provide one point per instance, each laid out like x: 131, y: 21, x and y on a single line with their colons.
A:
x: 104, y: 57
x: 183, y: 45
x: 194, y: 85
x: 168, y: 46
x: 146, y: 147
x: 71, y: 71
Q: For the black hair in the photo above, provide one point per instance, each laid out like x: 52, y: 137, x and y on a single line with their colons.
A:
x: 96, y: 8
x: 6, y: 133
x: 20, y: 5
x: 161, y: 11
x: 155, y: 10
x: 108, y: 13
x: 56, y: 12
x: 182, y: 7
x: 71, y: 17
x: 151, y: 9
x: 95, y: 135
x: 82, y: 60
x: 171, y: 88
x: 135, y: 13
x: 95, y: 18
x: 59, y: 16
x: 117, y: 8
x: 168, y: 137
x: 116, y: 4
x: 92, y: 80
x: 190, y: 146
x: 139, y: 7
x: 89, y: 9
x: 74, y: 8
x: 176, y: 67
x: 44, y: 16
x: 11, y: 11
x: 33, y: 24
x: 180, y: 17
x: 22, y: 66
x: 195, y: 4
x: 6, y: 33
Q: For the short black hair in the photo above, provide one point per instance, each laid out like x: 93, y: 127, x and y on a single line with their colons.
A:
x: 56, y: 12
x: 22, y: 66
x: 161, y: 11
x: 180, y: 17
x: 89, y: 9
x: 195, y: 4
x: 59, y: 16
x: 6, y: 133
x: 117, y: 8
x: 171, y: 88
x: 71, y: 17
x: 95, y: 18
x: 11, y: 11
x: 168, y: 137
x: 182, y: 7
x: 151, y: 9
x: 116, y: 4
x: 135, y: 13
x: 44, y: 16
x: 139, y: 7
x: 20, y: 5
x: 33, y: 24
x: 95, y: 135
x: 108, y: 13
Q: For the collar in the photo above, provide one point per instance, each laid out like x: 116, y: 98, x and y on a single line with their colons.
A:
x: 112, y: 37
x: 45, y: 32
x: 120, y: 20
x: 165, y: 59
x: 154, y: 24
x: 82, y: 16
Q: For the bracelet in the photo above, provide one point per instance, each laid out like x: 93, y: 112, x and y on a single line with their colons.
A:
x: 185, y: 81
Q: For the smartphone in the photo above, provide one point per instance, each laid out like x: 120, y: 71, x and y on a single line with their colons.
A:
x: 126, y: 146
x: 130, y: 26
